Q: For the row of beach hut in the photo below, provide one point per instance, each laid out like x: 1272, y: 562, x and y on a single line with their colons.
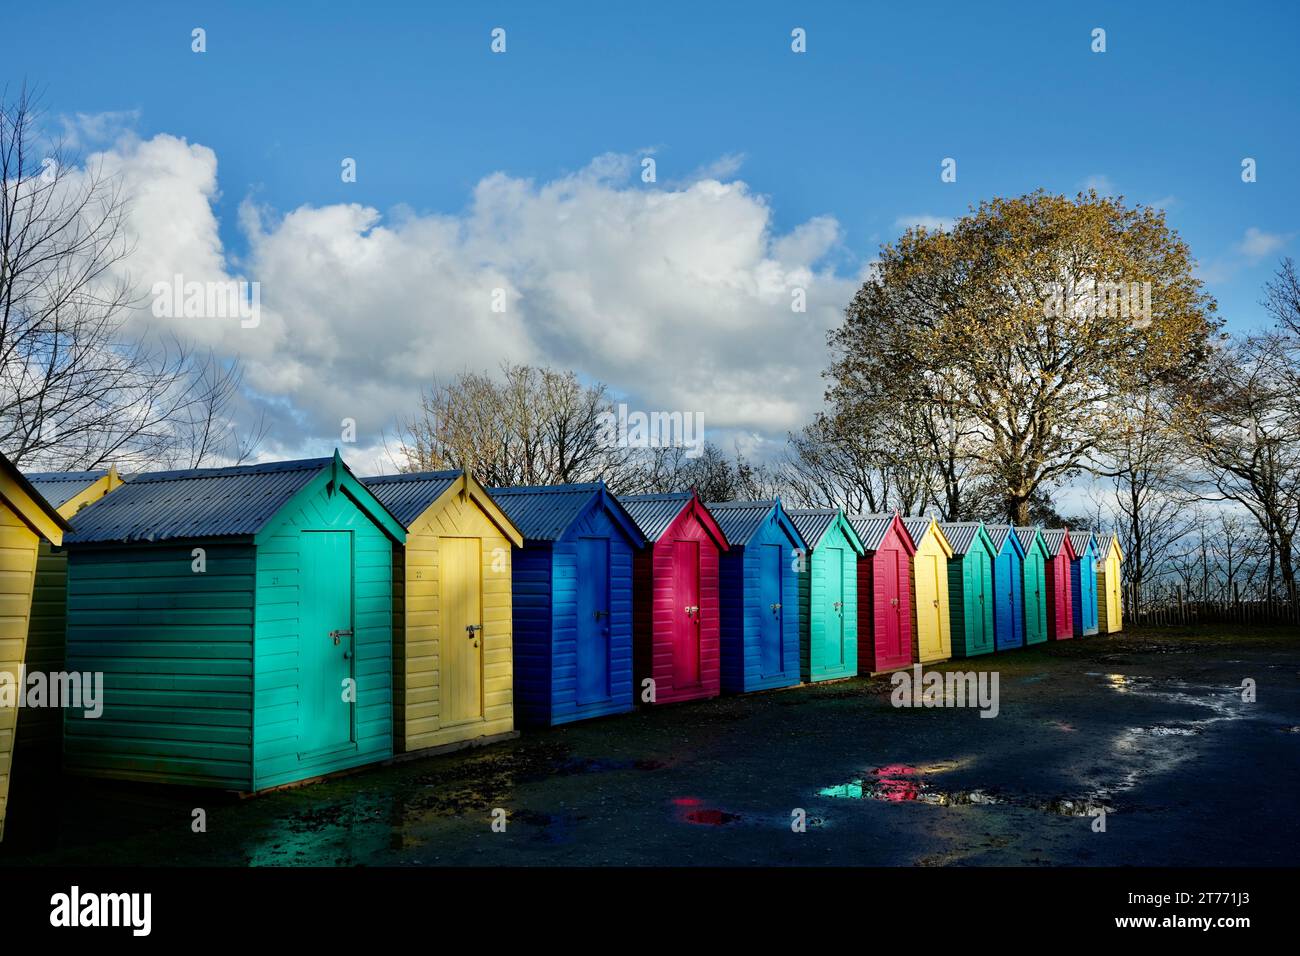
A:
x: 261, y: 625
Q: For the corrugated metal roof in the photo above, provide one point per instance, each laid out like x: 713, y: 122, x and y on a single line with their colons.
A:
x: 409, y: 495
x: 739, y: 520
x: 1026, y: 537
x: 998, y: 535
x: 654, y: 513
x: 1054, y: 538
x: 194, y: 503
x: 872, y: 529
x: 1081, y: 540
x: 917, y: 527
x: 60, y: 487
x: 960, y: 534
x: 813, y: 523
x: 544, y: 512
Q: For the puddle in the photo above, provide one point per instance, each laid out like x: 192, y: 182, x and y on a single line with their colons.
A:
x: 692, y: 810
x: 899, y: 783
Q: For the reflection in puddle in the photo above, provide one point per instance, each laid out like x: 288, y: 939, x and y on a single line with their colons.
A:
x: 692, y: 810
x: 898, y: 783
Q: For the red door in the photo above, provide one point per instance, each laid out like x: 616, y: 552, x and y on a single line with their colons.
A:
x: 686, y: 613
x: 887, y: 565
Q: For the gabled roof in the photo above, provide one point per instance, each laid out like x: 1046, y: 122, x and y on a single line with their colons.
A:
x: 872, y: 530
x: 546, y: 512
x: 1081, y: 540
x: 1056, y: 539
x: 410, y: 494
x: 1000, y: 534
x: 69, y: 491
x: 1106, y: 542
x: 654, y: 514
x: 235, y: 502
x: 963, y: 535
x: 1028, y: 535
x: 741, y: 520
x: 29, y: 504
x: 813, y: 523
x: 918, y: 527
x: 407, y: 496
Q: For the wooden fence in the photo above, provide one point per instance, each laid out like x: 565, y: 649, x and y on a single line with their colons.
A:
x: 1263, y: 612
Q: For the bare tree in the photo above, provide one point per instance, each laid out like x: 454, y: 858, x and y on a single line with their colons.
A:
x: 75, y: 389
x: 531, y: 426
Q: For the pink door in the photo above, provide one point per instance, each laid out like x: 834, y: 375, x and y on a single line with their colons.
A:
x: 686, y: 613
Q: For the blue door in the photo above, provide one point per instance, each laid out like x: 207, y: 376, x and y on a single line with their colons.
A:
x: 1017, y: 592
x: 1002, y: 599
x: 593, y: 620
x: 771, y: 567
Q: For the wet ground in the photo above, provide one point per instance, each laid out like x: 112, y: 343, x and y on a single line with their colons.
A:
x: 1147, y: 733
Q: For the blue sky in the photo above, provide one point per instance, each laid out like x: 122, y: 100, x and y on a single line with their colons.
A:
x: 854, y: 129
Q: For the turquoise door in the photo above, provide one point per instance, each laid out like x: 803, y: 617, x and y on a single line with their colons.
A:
x: 771, y: 569
x: 325, y: 644
x: 593, y: 620
x: 833, y: 571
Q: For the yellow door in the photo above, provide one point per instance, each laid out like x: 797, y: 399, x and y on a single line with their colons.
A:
x: 1114, y: 609
x: 927, y: 606
x: 461, y: 649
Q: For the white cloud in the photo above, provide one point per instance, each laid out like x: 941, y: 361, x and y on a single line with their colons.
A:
x: 931, y: 223
x: 1258, y: 244
x: 677, y: 297
x: 1099, y: 182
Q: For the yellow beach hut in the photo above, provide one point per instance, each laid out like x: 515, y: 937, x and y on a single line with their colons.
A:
x: 40, y: 730
x: 932, y: 635
x: 453, y: 665
x: 1110, y: 603
x: 26, y: 520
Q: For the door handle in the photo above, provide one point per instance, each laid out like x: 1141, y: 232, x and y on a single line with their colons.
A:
x: 470, y: 629
x: 936, y: 602
x: 336, y: 635
x: 347, y: 655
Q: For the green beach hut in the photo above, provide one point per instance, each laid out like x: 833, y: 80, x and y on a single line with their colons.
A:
x: 1035, y: 570
x: 40, y: 729
x: 242, y: 619
x: 970, y: 587
x: 828, y: 594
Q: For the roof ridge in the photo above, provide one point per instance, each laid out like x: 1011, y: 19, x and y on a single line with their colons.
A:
x: 229, y: 471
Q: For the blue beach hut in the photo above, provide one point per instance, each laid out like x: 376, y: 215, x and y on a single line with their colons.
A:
x: 759, y: 596
x: 1008, y: 587
x: 572, y: 584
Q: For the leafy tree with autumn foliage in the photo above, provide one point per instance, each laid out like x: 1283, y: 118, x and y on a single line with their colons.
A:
x: 1024, y: 326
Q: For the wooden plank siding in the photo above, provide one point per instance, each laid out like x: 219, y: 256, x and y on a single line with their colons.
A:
x: 18, y: 551
x: 280, y: 636
x: 176, y: 651
x: 419, y: 721
x: 533, y: 632
x: 596, y: 523
x: 657, y: 608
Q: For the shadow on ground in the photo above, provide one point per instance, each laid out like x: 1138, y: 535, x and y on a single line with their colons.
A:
x: 1149, y: 729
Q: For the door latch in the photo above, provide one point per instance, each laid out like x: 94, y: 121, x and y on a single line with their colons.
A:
x: 340, y: 634
x: 470, y: 629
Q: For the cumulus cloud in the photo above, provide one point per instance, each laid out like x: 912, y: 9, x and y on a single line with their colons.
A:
x: 678, y: 297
